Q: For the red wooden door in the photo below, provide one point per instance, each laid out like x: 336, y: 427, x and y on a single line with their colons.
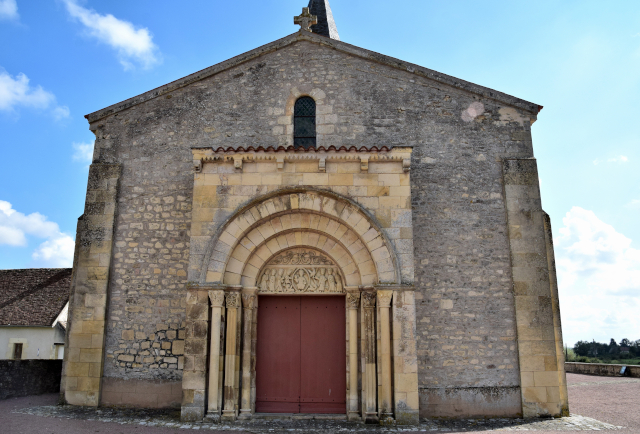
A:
x: 278, y: 355
x: 301, y: 355
x: 323, y: 385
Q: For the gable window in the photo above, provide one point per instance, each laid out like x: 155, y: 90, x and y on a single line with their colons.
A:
x: 304, y: 123
x: 17, y: 351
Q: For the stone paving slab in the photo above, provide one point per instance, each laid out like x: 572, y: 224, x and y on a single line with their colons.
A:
x: 170, y: 419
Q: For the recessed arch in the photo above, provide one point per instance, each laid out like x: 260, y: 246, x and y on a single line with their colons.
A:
x: 274, y: 217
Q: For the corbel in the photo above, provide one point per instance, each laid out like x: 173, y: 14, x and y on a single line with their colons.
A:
x: 322, y: 165
x: 197, y: 165
x: 364, y: 163
x: 237, y: 163
x: 280, y: 162
x: 406, y: 164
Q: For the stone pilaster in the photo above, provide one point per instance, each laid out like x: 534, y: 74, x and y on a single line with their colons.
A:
x: 84, y: 356
x: 405, y: 357
x: 540, y: 372
x: 557, y: 325
x: 194, y: 374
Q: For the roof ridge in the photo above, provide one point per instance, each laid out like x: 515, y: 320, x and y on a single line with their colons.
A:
x: 50, y: 280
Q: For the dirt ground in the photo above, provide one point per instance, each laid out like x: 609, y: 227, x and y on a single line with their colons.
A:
x: 613, y: 400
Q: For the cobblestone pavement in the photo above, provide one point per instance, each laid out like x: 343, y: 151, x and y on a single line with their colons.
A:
x: 592, y: 397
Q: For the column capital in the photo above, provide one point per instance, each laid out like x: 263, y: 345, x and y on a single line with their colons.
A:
x: 217, y: 298
x: 384, y: 297
x: 353, y: 300
x: 233, y: 300
x: 368, y: 299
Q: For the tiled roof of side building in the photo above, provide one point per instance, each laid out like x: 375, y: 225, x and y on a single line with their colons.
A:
x: 33, y: 297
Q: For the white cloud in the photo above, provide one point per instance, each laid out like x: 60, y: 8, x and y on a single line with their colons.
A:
x: 8, y: 10
x: 83, y: 152
x: 598, y: 279
x: 634, y: 204
x: 55, y: 251
x: 134, y: 46
x: 15, y: 92
x: 618, y: 159
x: 61, y: 112
x: 15, y: 225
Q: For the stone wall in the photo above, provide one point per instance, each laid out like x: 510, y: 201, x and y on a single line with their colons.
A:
x: 466, y: 328
x: 603, y: 369
x: 29, y: 377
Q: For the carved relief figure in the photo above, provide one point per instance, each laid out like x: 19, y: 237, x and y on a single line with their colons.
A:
x: 321, y: 279
x: 331, y: 281
x: 272, y: 281
x: 264, y: 283
x: 300, y: 271
x: 279, y: 281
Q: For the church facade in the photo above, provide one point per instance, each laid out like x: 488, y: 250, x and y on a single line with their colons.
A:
x: 315, y: 228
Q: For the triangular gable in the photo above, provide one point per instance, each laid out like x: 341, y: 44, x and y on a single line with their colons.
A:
x: 321, y: 40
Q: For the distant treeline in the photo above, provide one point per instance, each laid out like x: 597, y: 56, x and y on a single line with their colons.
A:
x: 593, y: 348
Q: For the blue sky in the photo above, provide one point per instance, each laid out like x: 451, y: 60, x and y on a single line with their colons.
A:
x: 62, y: 59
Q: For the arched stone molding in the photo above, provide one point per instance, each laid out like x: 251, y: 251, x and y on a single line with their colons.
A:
x: 349, y: 266
x: 266, y: 225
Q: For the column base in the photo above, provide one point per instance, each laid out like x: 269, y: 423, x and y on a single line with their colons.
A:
x: 212, y: 417
x: 245, y: 414
x: 371, y: 418
x: 354, y: 416
x: 387, y: 419
x: 229, y: 415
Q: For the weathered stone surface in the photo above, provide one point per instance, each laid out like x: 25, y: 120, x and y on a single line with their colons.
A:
x: 446, y: 224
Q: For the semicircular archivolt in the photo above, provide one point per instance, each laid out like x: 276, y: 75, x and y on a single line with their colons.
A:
x: 305, y: 210
x: 357, y: 269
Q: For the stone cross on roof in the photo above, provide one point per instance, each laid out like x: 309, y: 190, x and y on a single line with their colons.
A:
x: 305, y: 20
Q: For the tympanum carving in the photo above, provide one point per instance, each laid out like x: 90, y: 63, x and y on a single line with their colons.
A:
x: 300, y: 271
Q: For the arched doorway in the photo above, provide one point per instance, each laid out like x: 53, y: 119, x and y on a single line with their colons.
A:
x: 324, y: 256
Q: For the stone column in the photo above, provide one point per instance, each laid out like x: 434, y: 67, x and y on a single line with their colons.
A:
x: 353, y: 300
x: 384, y: 304
x: 230, y: 411
x: 249, y: 296
x: 369, y: 352
x: 217, y: 302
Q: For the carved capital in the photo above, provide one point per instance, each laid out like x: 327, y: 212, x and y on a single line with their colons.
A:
x: 233, y: 300
x: 384, y: 298
x: 353, y: 300
x: 368, y: 300
x: 216, y: 298
x: 248, y: 301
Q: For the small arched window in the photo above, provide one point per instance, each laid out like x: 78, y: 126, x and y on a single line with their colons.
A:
x: 304, y: 123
